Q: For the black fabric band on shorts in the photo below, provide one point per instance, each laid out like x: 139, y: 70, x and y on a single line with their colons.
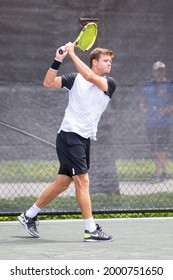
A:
x: 55, y: 65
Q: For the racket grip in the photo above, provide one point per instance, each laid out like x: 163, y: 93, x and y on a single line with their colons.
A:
x: 61, y: 51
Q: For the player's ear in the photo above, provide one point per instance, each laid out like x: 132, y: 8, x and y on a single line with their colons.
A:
x: 94, y: 62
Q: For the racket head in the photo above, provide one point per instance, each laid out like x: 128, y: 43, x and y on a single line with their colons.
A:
x: 87, y: 37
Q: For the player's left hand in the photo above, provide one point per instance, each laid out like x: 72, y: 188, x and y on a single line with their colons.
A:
x: 69, y: 48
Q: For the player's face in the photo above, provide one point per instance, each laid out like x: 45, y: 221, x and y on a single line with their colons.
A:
x: 103, y: 65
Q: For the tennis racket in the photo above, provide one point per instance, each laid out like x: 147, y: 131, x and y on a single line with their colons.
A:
x: 86, y: 38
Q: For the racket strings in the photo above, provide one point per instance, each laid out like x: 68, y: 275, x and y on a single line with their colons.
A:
x: 88, y: 38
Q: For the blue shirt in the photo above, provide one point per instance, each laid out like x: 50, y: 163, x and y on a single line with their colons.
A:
x: 157, y: 96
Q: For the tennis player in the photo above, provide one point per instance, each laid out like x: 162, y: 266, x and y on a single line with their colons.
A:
x: 90, y: 90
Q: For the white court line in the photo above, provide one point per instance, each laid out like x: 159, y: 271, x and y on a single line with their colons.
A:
x: 103, y: 220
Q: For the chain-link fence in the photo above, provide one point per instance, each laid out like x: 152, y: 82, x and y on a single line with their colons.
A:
x: 22, y: 181
x: 123, y: 163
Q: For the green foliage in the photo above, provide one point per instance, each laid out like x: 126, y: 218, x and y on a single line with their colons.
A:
x: 16, y: 171
x: 46, y: 172
x: 137, y: 169
x: 96, y: 216
x: 42, y: 171
x: 106, y: 202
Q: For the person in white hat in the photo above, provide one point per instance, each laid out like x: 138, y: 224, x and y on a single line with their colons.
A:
x: 157, y: 104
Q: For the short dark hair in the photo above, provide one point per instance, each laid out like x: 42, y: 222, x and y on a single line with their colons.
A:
x: 95, y: 54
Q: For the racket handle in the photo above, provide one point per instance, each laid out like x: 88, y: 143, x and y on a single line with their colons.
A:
x: 61, y: 51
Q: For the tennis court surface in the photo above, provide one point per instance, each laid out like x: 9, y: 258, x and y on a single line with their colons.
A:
x: 134, y: 238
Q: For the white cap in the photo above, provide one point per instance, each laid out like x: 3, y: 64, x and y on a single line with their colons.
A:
x: 158, y: 64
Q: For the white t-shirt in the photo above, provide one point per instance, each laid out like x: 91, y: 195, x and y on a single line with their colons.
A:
x: 86, y: 104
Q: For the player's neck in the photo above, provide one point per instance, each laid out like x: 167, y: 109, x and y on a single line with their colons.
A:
x: 99, y: 73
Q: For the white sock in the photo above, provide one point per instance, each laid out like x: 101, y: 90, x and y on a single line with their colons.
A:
x: 90, y: 225
x: 33, y: 211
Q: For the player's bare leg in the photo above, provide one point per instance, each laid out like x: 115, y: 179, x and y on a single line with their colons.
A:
x: 84, y: 201
x: 28, y: 218
x: 61, y: 183
x: 82, y: 194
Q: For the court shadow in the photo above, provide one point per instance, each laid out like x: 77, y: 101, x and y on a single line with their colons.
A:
x: 32, y: 240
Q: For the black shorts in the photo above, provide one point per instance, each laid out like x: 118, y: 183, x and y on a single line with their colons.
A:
x: 158, y: 138
x: 73, y: 153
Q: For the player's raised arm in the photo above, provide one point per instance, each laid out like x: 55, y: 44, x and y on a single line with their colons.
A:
x: 51, y: 79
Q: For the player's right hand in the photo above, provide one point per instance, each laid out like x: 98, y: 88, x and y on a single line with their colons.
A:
x: 59, y: 56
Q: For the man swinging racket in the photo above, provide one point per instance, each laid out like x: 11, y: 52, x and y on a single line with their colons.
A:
x: 90, y: 90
